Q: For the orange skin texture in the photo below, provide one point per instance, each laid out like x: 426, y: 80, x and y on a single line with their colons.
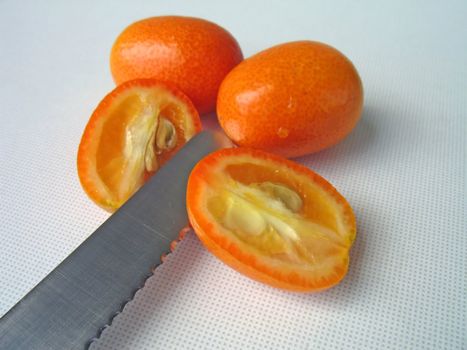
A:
x: 246, y: 262
x: 86, y: 162
x: 292, y: 99
x: 193, y: 54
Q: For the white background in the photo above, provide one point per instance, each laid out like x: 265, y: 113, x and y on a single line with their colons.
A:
x: 402, y: 169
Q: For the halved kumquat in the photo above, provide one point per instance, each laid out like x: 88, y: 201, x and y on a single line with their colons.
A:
x: 134, y: 130
x: 271, y: 219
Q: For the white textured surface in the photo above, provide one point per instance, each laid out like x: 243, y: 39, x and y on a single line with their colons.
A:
x: 403, y: 170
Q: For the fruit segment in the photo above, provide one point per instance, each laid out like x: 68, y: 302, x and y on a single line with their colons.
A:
x: 132, y: 133
x: 271, y: 219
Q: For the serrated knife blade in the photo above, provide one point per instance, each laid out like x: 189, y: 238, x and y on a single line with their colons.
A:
x: 70, y: 307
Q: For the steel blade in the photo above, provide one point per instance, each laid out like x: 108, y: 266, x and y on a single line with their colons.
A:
x: 77, y: 299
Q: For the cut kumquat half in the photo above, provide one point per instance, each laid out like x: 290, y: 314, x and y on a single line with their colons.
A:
x: 133, y: 131
x: 271, y: 219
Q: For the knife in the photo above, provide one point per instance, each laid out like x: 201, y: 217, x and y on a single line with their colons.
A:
x: 71, y: 306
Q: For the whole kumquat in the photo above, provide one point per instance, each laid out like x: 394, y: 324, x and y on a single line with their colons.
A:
x: 292, y: 99
x: 192, y: 53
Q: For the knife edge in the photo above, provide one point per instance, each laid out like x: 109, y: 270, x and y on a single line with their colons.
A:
x: 72, y: 305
